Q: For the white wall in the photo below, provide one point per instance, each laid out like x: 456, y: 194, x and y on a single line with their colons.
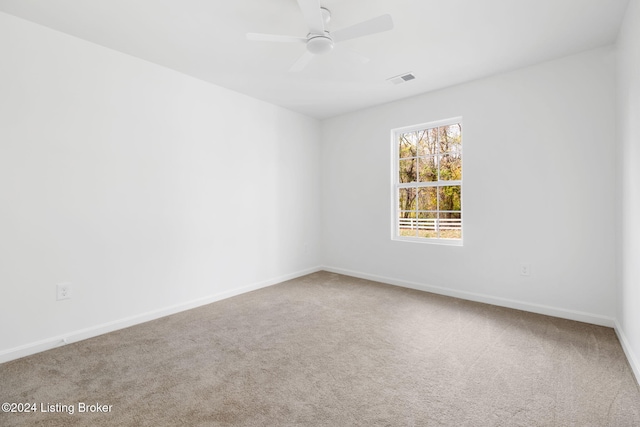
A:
x: 148, y: 190
x: 628, y: 314
x: 539, y: 187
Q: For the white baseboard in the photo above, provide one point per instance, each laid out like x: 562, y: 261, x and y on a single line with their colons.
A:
x: 488, y: 299
x: 82, y: 334
x: 631, y: 357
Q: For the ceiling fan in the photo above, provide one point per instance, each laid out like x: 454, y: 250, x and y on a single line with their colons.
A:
x: 320, y: 41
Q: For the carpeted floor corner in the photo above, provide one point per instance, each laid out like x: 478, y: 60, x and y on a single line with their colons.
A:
x: 331, y: 350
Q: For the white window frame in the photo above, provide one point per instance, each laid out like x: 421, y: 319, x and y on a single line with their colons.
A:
x: 396, y: 185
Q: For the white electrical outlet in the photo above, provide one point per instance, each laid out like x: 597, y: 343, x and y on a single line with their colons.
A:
x: 63, y: 291
x: 525, y: 269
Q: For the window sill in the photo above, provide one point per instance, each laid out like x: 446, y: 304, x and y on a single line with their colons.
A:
x: 423, y: 240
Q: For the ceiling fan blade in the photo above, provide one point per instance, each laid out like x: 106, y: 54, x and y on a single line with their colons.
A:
x: 275, y: 38
x: 372, y: 26
x: 312, y: 15
x: 302, y: 62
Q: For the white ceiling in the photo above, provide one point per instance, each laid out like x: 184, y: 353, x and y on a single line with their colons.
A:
x: 443, y: 42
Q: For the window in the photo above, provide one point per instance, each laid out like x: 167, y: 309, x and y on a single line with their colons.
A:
x: 427, y: 182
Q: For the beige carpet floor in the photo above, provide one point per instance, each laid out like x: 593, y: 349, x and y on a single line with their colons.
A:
x: 330, y: 350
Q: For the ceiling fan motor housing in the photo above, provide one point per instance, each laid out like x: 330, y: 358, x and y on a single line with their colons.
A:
x: 319, y: 44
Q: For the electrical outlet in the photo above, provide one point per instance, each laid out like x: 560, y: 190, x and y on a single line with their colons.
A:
x: 525, y: 269
x: 63, y: 291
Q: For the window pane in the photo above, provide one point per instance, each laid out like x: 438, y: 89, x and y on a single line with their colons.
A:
x: 449, y: 198
x: 428, y: 142
x: 407, y: 232
x: 428, y: 169
x: 428, y: 199
x: 450, y: 167
x: 450, y: 139
x: 407, y: 199
x: 407, y: 170
x: 450, y: 224
x: 407, y: 225
x: 427, y: 224
x: 407, y: 145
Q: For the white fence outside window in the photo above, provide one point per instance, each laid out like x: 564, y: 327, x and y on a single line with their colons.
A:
x: 430, y: 223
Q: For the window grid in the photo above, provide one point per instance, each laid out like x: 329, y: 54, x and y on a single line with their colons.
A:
x: 428, y: 157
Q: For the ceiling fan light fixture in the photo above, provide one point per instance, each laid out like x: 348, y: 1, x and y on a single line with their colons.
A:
x: 319, y: 45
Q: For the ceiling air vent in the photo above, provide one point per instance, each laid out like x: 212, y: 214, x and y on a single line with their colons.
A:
x: 401, y: 78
